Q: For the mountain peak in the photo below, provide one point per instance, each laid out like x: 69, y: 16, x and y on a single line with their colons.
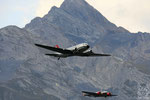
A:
x: 79, y: 2
x: 73, y: 3
x: 82, y: 10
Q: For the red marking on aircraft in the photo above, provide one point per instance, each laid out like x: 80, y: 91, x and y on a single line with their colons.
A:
x: 57, y: 46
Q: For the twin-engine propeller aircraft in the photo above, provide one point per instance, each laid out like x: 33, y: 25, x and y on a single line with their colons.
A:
x: 77, y: 50
x: 97, y: 94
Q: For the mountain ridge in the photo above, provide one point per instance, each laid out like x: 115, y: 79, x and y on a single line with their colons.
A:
x: 34, y: 76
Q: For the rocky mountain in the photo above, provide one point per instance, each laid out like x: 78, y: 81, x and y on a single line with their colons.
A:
x: 27, y: 74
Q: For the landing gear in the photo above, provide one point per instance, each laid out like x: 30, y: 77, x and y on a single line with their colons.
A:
x: 75, y: 51
x: 58, y: 58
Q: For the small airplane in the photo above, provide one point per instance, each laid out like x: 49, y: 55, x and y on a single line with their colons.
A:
x: 97, y: 94
x: 77, y: 50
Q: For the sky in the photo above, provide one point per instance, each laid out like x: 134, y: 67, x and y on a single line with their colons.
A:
x: 134, y: 15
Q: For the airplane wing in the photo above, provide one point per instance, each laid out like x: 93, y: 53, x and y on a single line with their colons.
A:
x: 92, y: 54
x: 55, y: 55
x: 114, y: 95
x: 60, y: 50
x: 88, y: 93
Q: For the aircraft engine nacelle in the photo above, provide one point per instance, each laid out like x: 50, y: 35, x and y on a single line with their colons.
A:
x: 88, y: 51
x: 75, y: 51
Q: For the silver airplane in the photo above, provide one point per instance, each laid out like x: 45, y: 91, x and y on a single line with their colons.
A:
x: 77, y: 50
x: 97, y: 94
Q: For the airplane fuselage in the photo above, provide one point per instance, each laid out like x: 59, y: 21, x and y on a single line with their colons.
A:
x: 77, y: 49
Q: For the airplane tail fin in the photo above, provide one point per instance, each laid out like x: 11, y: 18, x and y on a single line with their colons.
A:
x: 56, y: 46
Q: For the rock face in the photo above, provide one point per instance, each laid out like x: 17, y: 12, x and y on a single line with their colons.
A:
x: 27, y: 74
